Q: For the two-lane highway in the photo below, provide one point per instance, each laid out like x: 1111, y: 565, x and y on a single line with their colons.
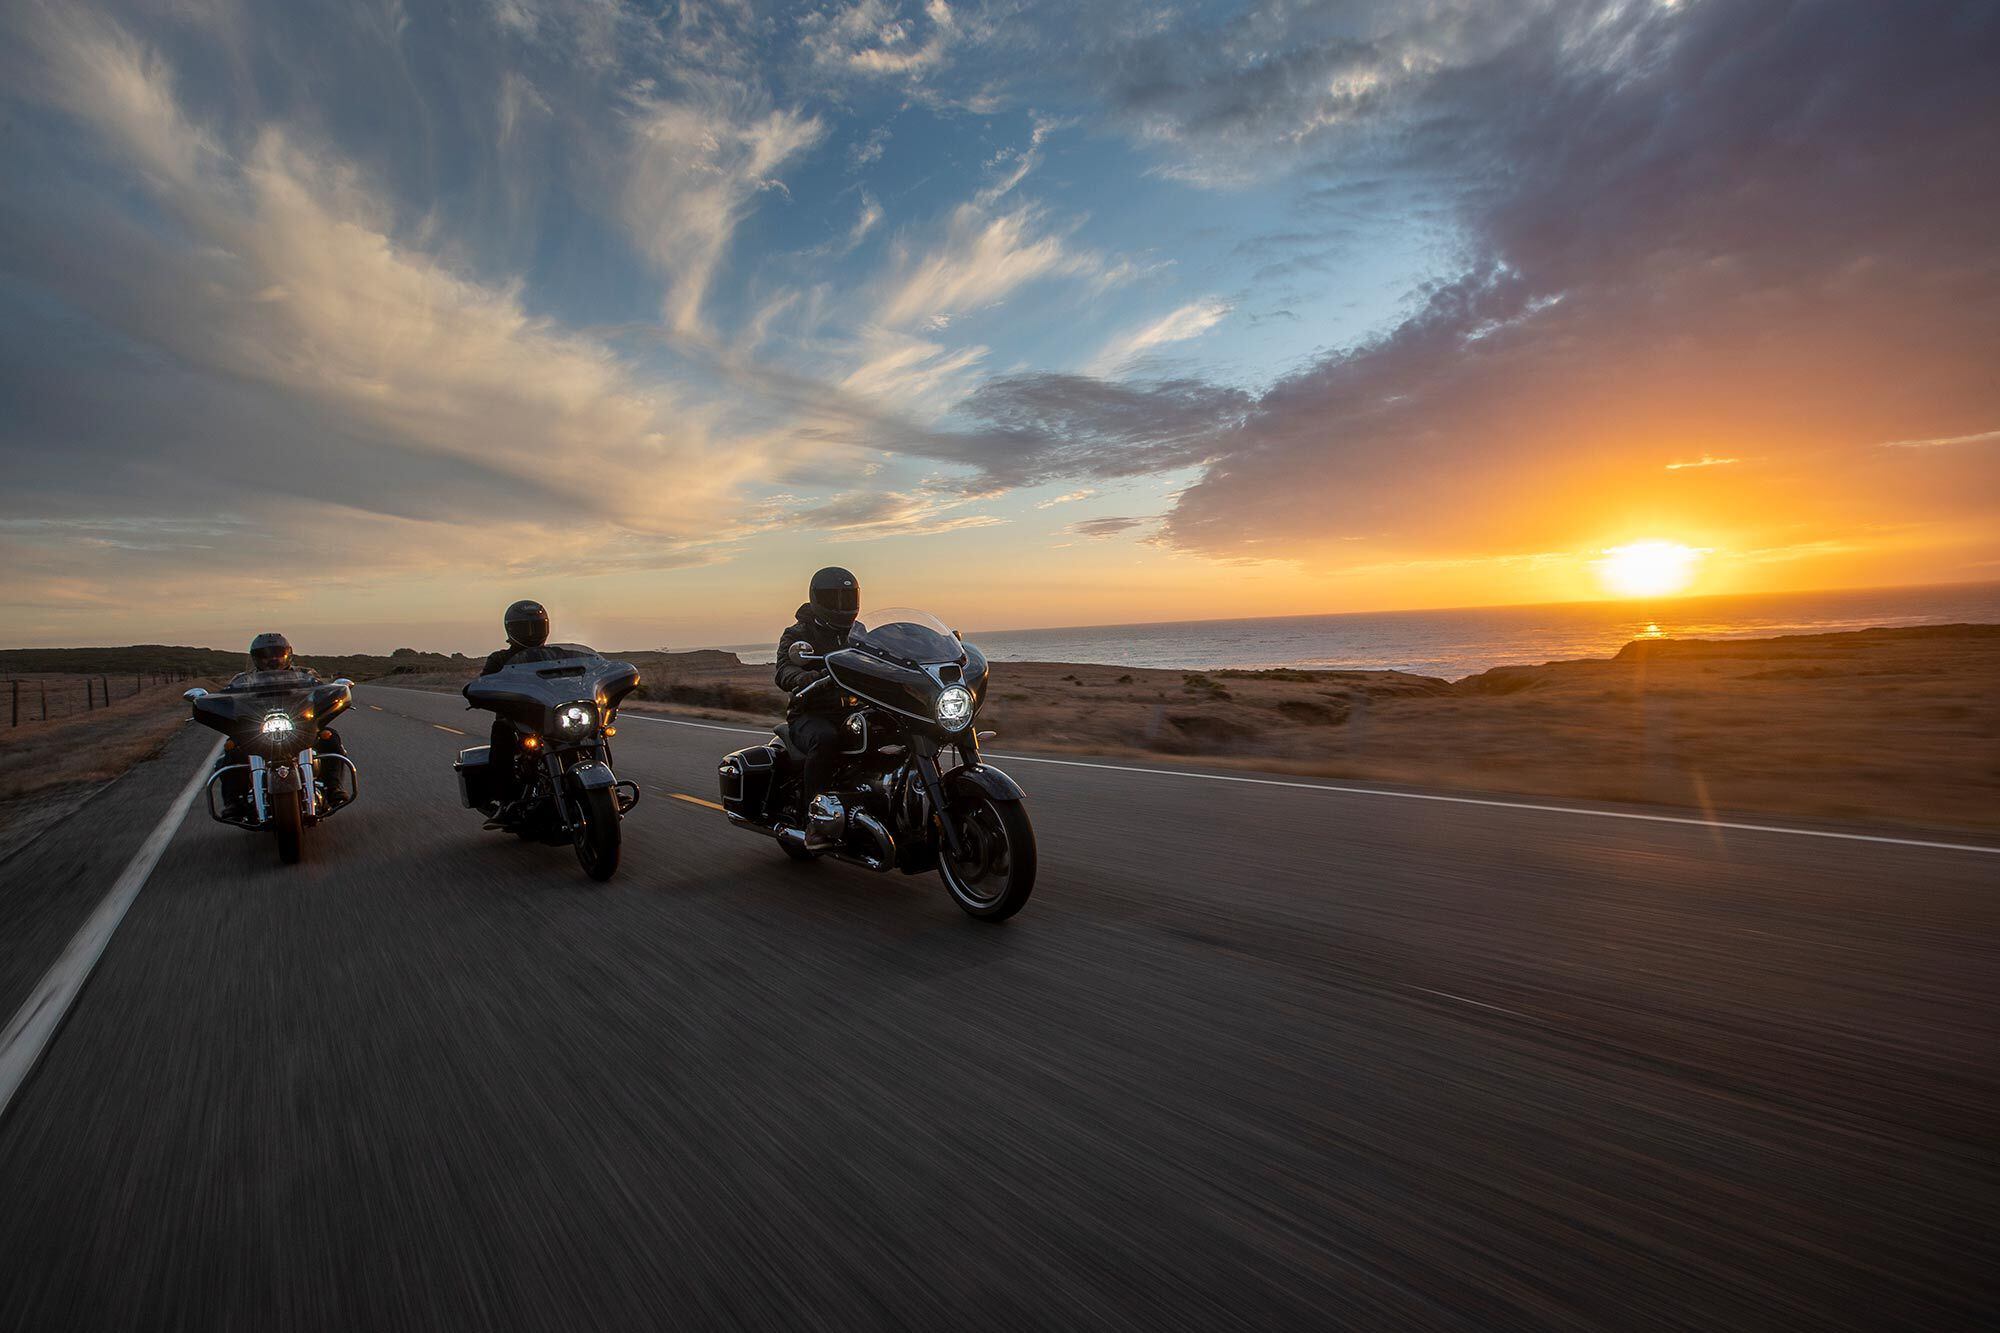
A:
x: 1254, y: 1056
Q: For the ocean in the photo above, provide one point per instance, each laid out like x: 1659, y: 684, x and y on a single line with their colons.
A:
x: 1453, y: 644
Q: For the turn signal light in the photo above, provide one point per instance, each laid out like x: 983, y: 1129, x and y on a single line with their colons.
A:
x: 531, y: 742
x: 611, y: 731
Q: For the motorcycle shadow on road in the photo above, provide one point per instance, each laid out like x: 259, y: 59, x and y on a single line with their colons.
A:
x: 902, y: 930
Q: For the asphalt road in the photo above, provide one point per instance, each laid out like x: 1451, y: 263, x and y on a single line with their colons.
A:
x: 1254, y: 1056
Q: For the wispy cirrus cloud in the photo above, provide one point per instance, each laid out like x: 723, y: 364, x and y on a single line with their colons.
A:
x: 695, y: 170
x: 1188, y: 322
x: 1944, y: 441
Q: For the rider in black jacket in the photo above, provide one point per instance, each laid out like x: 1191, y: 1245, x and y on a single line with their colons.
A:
x: 527, y: 626
x: 271, y: 663
x: 814, y: 713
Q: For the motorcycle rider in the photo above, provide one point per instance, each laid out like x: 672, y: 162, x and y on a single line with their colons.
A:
x: 271, y: 663
x: 527, y: 626
x: 832, y: 601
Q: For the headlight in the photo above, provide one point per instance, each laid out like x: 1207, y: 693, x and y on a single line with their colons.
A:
x: 954, y: 707
x: 576, y: 718
x: 277, y: 725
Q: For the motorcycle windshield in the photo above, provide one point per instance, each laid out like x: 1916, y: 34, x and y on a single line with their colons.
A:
x: 903, y: 659
x: 246, y: 710
x: 526, y: 692
x: 907, y: 636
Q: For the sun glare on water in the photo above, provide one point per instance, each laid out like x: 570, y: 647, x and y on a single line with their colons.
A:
x: 1649, y: 568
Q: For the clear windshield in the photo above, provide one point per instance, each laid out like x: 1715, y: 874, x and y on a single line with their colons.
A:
x: 905, y: 634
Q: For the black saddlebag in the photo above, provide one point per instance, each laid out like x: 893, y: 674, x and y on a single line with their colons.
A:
x: 746, y: 779
x: 476, y: 779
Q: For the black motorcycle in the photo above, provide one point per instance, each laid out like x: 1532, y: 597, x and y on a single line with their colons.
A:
x: 555, y: 784
x: 276, y: 772
x: 912, y: 690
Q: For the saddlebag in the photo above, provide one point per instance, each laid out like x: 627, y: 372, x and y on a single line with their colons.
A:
x: 746, y: 778
x: 475, y: 777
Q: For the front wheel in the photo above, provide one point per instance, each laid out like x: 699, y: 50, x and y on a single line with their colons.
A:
x: 289, y: 817
x: 994, y: 877
x: 594, y: 828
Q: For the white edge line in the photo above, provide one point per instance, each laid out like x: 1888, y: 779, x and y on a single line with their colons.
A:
x: 1488, y: 802
x: 34, y: 1024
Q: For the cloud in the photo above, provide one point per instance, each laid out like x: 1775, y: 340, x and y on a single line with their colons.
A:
x: 1189, y: 321
x: 1943, y: 441
x: 981, y: 260
x: 908, y: 373
x: 1100, y: 528
x: 1704, y: 461
x: 1031, y: 428
x: 1068, y: 497
x: 695, y: 170
x: 875, y: 38
x: 870, y: 515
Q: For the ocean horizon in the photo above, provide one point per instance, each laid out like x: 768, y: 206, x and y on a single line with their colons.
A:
x: 1464, y: 641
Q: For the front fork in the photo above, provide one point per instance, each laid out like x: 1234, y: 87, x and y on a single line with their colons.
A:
x: 299, y: 773
x: 924, y: 760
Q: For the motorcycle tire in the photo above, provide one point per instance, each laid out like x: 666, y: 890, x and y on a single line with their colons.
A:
x: 289, y: 819
x: 596, y: 833
x: 994, y: 880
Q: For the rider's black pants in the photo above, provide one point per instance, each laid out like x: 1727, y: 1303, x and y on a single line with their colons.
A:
x: 818, y: 739
x: 504, y: 760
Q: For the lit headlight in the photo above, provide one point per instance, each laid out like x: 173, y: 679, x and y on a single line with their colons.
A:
x: 277, y: 725
x: 954, y: 707
x: 576, y: 717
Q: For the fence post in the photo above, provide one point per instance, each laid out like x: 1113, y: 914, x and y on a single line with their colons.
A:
x: 17, y: 703
x: 45, y: 700
x: 89, y: 696
x: 105, y: 683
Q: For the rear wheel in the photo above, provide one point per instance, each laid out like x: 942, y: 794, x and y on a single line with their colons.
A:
x: 595, y: 831
x: 289, y: 817
x: 996, y: 873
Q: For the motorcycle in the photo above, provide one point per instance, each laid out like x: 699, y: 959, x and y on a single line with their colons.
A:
x: 911, y: 690
x: 557, y: 786
x: 271, y: 723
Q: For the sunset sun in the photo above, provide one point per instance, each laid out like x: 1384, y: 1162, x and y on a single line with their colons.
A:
x: 1649, y: 568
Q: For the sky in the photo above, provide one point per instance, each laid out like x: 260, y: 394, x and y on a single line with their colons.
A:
x: 362, y: 320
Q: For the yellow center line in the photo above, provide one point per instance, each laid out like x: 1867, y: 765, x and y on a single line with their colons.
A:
x: 376, y: 707
x: 693, y: 800
x: 442, y: 727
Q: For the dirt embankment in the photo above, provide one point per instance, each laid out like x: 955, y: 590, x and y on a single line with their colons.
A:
x: 49, y: 767
x: 1885, y: 725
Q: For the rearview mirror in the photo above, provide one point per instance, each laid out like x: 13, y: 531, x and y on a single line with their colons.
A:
x: 800, y: 651
x: 342, y: 680
x: 196, y: 693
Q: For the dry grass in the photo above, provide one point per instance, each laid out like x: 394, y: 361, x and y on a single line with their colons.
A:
x: 47, y: 768
x: 88, y: 747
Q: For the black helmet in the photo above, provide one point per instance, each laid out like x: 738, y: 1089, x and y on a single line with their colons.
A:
x: 836, y: 596
x: 270, y: 652
x: 527, y: 625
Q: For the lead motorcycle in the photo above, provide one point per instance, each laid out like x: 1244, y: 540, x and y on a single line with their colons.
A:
x: 914, y: 689
x: 277, y: 781
x: 561, y: 790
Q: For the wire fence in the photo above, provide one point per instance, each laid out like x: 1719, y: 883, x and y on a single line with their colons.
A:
x: 32, y: 697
